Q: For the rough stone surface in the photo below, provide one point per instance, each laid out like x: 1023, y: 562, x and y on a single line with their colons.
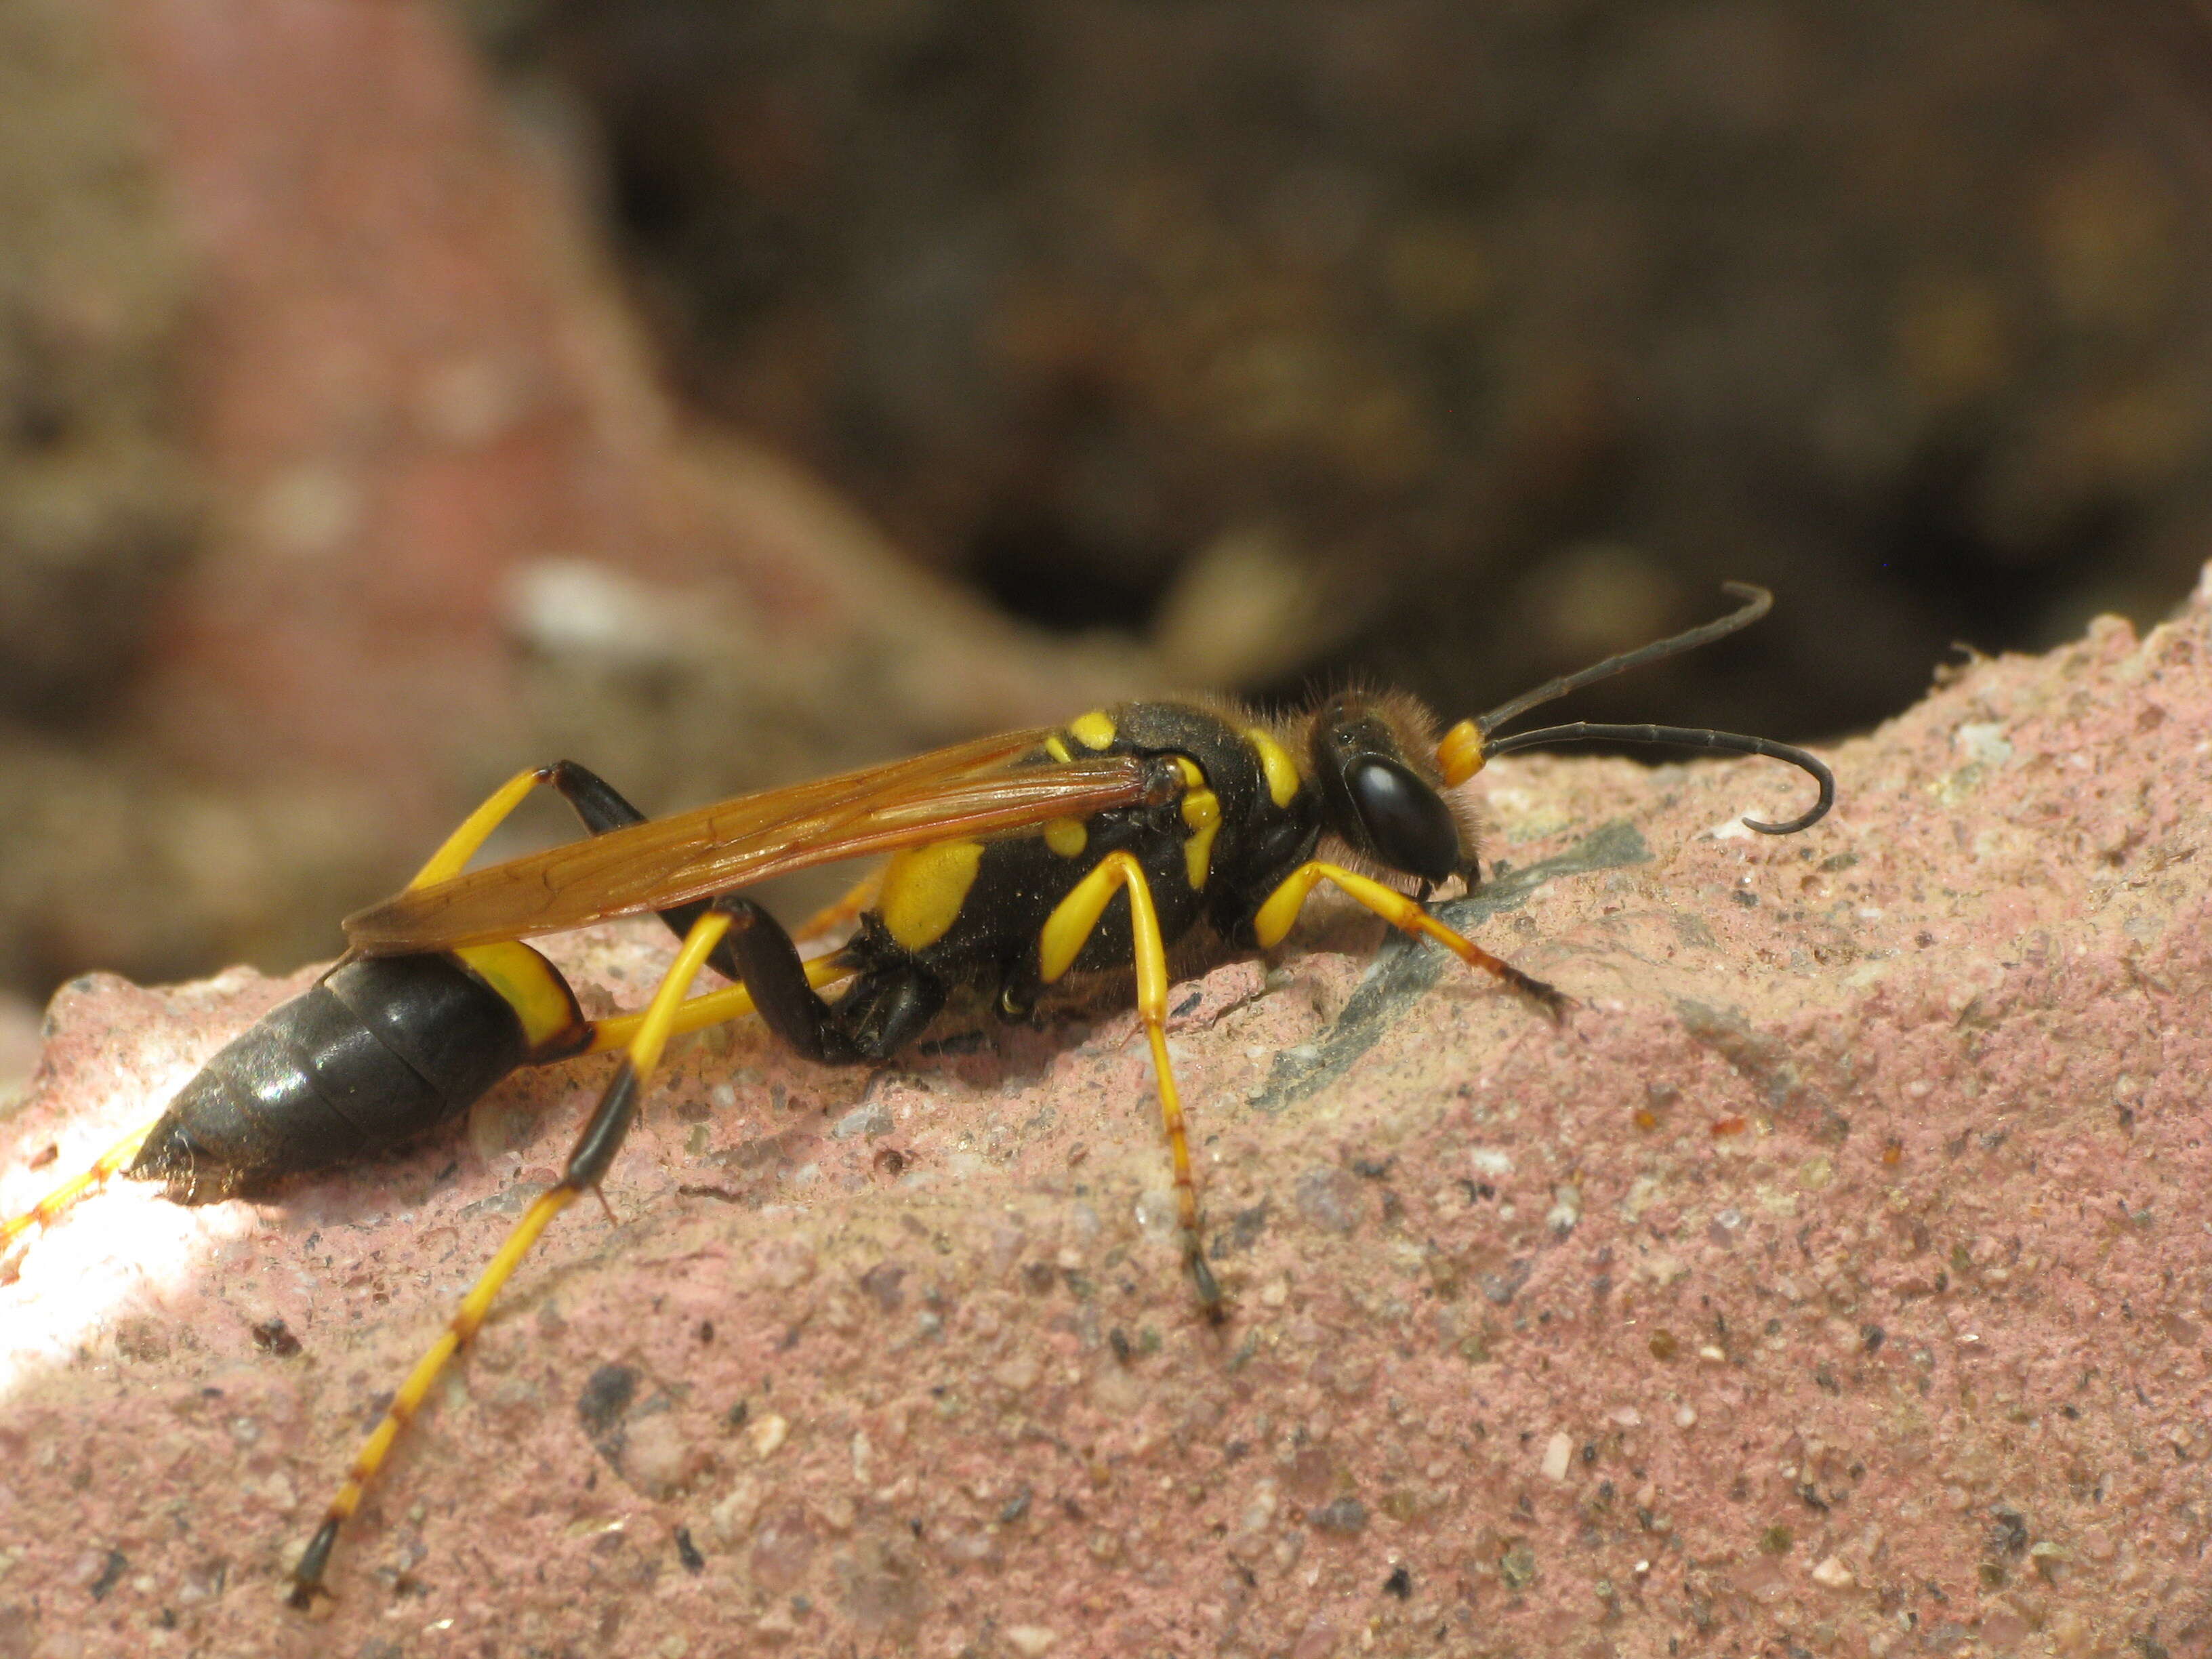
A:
x: 1849, y: 1239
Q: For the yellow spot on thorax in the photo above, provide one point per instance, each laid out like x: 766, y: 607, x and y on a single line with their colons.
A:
x: 924, y: 887
x: 1281, y: 771
x: 1057, y: 750
x: 1066, y: 836
x: 1201, y: 811
x: 1094, y: 730
x: 527, y: 983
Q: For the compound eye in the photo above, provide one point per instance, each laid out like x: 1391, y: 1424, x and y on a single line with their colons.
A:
x: 1408, y: 826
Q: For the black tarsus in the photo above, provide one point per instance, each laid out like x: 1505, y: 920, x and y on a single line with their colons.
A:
x: 604, y: 1134
x: 307, y: 1576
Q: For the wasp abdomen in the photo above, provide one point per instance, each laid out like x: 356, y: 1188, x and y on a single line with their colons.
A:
x: 380, y: 1051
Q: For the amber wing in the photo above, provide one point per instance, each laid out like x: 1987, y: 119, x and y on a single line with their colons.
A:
x: 970, y: 789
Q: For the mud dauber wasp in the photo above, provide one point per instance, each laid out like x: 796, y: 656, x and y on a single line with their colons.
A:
x: 1013, y: 861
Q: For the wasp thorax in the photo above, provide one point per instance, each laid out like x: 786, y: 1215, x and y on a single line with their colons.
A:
x: 1379, y: 789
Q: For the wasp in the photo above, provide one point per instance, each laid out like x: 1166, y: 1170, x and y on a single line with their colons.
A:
x: 1013, y: 861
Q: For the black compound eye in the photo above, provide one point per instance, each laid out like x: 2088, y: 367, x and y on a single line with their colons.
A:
x: 1408, y: 826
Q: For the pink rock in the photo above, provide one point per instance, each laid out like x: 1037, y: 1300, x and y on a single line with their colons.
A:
x: 1852, y: 1233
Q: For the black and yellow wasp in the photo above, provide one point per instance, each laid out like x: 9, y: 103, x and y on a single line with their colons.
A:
x: 1013, y: 861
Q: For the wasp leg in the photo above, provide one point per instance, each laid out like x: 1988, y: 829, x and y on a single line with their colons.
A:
x: 596, y: 801
x: 588, y: 1160
x: 62, y: 1197
x: 845, y: 911
x: 602, y: 809
x: 712, y: 1008
x: 475, y: 829
x: 887, y: 1007
x: 1058, y: 943
x: 1283, y: 905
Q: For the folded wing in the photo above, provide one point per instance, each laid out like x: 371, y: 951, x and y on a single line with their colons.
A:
x: 970, y: 789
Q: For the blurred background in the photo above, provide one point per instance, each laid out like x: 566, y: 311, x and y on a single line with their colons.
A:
x: 394, y: 395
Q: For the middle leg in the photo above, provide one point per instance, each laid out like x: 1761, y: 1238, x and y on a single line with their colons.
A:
x: 1060, y: 941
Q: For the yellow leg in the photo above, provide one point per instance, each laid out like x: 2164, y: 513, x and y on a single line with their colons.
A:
x: 475, y: 829
x: 846, y: 909
x: 595, y: 1149
x: 47, y: 1209
x: 1283, y: 905
x: 712, y: 1008
x: 1061, y: 938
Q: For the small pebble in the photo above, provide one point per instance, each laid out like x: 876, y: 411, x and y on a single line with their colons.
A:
x: 1558, y: 1452
x: 1834, y: 1574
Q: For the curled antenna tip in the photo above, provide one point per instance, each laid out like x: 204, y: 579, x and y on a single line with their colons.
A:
x: 1813, y: 766
x: 1686, y: 738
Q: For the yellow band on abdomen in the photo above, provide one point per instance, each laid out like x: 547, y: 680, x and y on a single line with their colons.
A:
x: 530, y: 985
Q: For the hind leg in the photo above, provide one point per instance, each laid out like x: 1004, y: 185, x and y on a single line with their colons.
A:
x: 594, y: 1151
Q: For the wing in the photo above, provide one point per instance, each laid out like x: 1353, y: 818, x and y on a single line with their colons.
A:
x: 966, y: 790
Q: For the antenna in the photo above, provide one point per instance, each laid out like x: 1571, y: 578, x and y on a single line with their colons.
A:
x: 1466, y: 748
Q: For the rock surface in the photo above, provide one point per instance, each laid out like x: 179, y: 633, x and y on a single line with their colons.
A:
x: 1837, y: 1278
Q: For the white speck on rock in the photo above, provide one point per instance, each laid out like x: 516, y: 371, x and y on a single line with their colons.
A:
x: 655, y: 1454
x: 784, y: 1264
x: 1566, y: 1209
x: 732, y: 1518
x: 1558, y: 1452
x: 1984, y: 741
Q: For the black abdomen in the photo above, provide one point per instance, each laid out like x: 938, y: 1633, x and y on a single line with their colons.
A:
x: 380, y: 1051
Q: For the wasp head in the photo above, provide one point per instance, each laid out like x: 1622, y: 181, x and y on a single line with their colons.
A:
x: 1372, y: 756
